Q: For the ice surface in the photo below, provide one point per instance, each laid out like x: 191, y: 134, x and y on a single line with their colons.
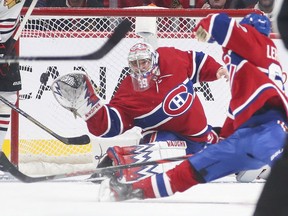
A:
x: 224, y: 197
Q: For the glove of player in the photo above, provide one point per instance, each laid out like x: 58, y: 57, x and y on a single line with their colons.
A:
x: 202, y: 35
x: 76, y: 93
x: 113, y: 190
x: 200, y: 31
x: 2, y: 50
x: 4, y: 69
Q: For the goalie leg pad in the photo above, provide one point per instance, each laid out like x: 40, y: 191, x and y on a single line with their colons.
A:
x: 137, y: 149
x: 146, y: 152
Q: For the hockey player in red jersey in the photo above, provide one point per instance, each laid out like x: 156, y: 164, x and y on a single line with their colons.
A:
x: 255, y: 128
x: 158, y: 97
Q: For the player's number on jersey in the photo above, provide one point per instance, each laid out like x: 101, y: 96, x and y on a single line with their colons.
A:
x: 143, y: 83
x: 275, y: 74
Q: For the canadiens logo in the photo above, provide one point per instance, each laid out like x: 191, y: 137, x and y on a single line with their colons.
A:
x: 11, y: 3
x: 178, y: 101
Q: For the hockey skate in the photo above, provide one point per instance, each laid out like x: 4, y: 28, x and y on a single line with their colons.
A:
x: 99, y: 177
x: 112, y: 190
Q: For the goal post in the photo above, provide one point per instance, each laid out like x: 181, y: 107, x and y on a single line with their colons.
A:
x: 79, y: 31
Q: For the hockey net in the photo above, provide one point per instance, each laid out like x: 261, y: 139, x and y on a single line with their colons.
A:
x: 68, y: 32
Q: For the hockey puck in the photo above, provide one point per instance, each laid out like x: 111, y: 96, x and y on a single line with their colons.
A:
x: 44, y: 78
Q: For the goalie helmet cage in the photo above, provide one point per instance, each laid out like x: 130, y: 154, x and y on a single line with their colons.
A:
x: 66, y: 31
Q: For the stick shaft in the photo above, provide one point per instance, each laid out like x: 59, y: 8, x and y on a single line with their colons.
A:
x: 7, y: 166
x: 21, y: 26
x: 119, y: 33
x: 25, y: 19
x: 84, y: 139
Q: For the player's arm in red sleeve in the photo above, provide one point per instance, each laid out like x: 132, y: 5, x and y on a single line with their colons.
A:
x: 228, y: 33
x: 108, y: 122
x: 227, y: 128
x: 206, y: 68
x: 112, y: 119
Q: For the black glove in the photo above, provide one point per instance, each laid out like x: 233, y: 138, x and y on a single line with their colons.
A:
x: 2, y: 50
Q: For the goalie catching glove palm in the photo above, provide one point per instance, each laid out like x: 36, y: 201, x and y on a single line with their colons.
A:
x: 76, y: 93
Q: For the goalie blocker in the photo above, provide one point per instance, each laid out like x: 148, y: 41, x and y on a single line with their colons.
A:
x: 76, y: 93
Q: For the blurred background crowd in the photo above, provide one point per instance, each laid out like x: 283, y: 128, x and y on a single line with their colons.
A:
x: 264, y: 5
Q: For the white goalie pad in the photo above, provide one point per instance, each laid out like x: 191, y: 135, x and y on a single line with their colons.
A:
x: 158, y: 155
x: 163, y: 149
x: 151, y: 152
x: 76, y: 93
x: 168, y: 149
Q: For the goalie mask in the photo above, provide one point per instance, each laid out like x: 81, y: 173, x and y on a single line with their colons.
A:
x: 258, y: 21
x: 143, y: 63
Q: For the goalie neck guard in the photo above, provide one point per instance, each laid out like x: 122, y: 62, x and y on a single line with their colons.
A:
x: 143, y: 63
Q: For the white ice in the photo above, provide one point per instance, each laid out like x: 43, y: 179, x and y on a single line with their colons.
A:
x: 224, y: 197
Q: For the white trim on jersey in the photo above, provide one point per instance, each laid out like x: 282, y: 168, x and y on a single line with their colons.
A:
x: 161, y: 185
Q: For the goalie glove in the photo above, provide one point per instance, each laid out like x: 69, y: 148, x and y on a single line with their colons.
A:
x: 76, y: 93
x: 6, y: 68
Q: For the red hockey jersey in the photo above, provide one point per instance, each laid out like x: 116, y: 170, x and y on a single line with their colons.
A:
x: 170, y: 104
x: 254, y: 69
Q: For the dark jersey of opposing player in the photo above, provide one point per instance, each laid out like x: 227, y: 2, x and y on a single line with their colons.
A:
x: 255, y: 72
x: 9, y: 19
x: 170, y: 104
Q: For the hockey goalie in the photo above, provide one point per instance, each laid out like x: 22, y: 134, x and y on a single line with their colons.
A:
x: 157, y: 96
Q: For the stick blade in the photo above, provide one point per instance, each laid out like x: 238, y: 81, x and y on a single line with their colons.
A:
x: 81, y: 140
x: 7, y: 166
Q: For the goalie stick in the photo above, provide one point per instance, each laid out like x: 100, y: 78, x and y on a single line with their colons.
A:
x: 119, y: 33
x: 80, y: 140
x: 7, y: 166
